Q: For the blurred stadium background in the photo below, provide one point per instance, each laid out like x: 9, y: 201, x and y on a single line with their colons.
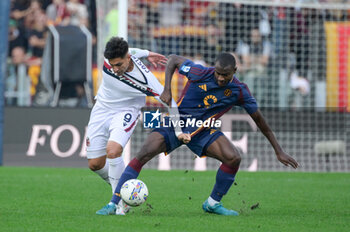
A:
x: 294, y: 56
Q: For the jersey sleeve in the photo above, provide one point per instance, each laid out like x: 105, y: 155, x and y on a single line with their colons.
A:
x: 247, y: 101
x: 138, y: 53
x: 194, y: 72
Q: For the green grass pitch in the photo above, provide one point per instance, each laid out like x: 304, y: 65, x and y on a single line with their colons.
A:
x: 65, y: 199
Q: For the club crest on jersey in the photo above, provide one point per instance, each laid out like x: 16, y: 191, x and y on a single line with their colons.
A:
x: 210, y: 99
x: 185, y: 68
x: 228, y: 92
x: 87, y: 141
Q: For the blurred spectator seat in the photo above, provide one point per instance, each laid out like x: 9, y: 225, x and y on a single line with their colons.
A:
x: 330, y: 148
x: 17, y: 37
x: 67, y: 65
x: 170, y: 12
x: 186, y: 30
x: 78, y: 13
x: 17, y: 91
x: 255, y: 55
x: 58, y: 13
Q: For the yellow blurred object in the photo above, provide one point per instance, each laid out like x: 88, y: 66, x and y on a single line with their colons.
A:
x: 34, y: 75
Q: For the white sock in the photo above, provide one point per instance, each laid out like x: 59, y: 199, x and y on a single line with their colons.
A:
x: 116, y: 168
x: 211, y: 201
x: 103, y: 172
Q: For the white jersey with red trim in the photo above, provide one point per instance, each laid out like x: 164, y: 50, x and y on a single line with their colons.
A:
x: 130, y: 89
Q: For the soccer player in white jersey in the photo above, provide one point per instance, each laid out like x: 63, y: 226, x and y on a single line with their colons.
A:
x: 125, y: 84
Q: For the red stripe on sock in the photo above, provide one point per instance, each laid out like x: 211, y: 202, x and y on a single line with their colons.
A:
x: 136, y: 165
x: 229, y: 169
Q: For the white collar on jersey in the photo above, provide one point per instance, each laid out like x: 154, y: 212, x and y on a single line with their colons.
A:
x: 139, y: 65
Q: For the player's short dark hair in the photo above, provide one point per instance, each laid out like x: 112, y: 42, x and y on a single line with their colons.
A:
x: 226, y: 59
x: 116, y: 47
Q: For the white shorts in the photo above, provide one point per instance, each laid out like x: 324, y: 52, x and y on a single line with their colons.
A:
x: 105, y: 125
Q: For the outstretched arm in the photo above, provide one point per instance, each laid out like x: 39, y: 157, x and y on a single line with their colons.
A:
x: 155, y: 59
x: 265, y: 129
x: 174, y: 63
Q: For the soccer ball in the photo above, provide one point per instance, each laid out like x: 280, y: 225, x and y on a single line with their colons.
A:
x: 134, y: 192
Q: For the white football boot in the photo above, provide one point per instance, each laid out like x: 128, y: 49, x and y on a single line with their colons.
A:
x: 122, y: 208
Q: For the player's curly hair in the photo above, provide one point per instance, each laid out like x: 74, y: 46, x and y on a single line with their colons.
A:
x: 116, y: 47
x: 226, y: 59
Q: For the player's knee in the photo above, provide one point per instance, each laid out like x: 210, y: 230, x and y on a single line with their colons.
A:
x: 153, y: 147
x: 112, y: 154
x: 144, y: 155
x: 238, y: 159
x: 95, y: 165
x: 114, y: 151
x: 234, y: 160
